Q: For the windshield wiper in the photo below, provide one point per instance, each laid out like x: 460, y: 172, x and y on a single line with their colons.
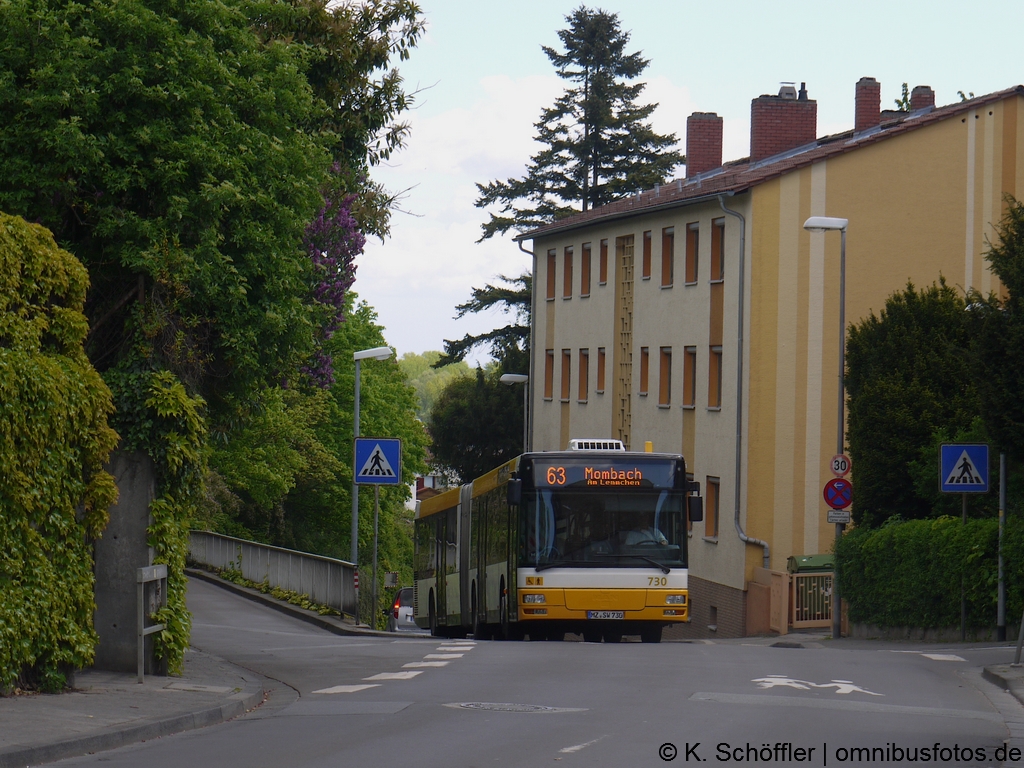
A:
x: 664, y: 568
x: 551, y: 564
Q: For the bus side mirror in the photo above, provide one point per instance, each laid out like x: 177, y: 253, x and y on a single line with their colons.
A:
x: 695, y: 507
x: 514, y: 492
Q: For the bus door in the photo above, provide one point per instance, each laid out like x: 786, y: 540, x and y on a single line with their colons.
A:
x: 439, y: 573
x: 465, y: 553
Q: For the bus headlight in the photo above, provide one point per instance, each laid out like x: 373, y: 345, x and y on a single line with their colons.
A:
x: 675, y: 599
x: 533, y: 598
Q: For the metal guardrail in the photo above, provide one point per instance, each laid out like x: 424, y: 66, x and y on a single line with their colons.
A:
x: 326, y: 580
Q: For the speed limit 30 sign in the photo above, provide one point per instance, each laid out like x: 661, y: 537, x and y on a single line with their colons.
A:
x: 840, y: 465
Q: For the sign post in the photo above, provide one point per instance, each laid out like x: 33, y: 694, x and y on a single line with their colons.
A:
x: 378, y: 462
x: 963, y: 469
x: 838, y: 494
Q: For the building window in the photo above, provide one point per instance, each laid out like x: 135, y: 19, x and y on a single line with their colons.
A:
x: 584, y: 376
x: 602, y: 275
x: 692, y: 245
x: 566, y: 371
x: 567, y: 273
x: 585, y: 271
x: 665, y: 377
x: 717, y: 250
x: 600, y: 370
x: 689, y: 377
x: 646, y: 264
x: 715, y: 378
x: 549, y: 374
x: 551, y: 275
x: 711, y: 516
x: 645, y: 364
x: 668, y: 258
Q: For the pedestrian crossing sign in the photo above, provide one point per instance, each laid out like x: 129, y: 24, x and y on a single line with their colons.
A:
x: 963, y: 468
x: 378, y: 460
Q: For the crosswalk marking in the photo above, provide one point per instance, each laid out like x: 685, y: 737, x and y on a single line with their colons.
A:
x: 347, y: 688
x: 394, y: 675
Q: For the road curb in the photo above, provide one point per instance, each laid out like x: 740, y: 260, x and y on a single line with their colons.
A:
x: 1010, y: 679
x: 330, y: 623
x: 249, y: 698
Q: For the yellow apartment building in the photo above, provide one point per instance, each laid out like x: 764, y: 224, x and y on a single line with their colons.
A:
x: 702, y: 317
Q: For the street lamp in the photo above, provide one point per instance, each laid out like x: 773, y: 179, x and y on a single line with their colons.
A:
x: 832, y: 224
x: 377, y: 353
x: 521, y: 378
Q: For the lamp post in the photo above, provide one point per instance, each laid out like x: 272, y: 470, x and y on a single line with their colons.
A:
x: 832, y: 224
x: 521, y: 378
x: 376, y: 353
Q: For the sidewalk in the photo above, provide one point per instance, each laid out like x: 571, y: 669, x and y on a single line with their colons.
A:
x: 337, y: 624
x: 110, y: 709
x: 1011, y: 680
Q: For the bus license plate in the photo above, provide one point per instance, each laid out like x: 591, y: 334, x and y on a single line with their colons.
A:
x: 606, y: 614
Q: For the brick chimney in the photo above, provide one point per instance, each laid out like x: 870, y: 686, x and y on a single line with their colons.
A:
x: 703, y: 142
x: 868, y: 104
x: 922, y: 96
x: 779, y: 123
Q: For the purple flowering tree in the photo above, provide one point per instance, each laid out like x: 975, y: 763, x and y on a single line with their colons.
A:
x: 333, y: 241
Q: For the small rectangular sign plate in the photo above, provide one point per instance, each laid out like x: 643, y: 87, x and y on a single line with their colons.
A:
x: 838, y: 516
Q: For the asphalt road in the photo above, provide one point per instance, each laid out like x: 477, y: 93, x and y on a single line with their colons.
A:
x: 347, y: 701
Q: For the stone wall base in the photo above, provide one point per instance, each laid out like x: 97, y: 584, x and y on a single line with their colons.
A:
x: 934, y: 635
x: 715, y: 611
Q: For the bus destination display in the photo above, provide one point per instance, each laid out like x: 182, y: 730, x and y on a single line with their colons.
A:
x: 641, y: 474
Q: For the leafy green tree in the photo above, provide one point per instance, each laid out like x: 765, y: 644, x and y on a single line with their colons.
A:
x: 427, y: 381
x: 908, y: 375
x: 476, y: 424
x: 158, y: 143
x: 180, y: 155
x: 510, y: 344
x: 285, y: 476
x: 598, y: 142
x: 997, y: 326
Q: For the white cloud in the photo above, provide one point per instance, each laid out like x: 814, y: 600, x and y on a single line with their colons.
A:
x: 432, y: 261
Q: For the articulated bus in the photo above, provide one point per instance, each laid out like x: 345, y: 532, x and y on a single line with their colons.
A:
x: 591, y: 542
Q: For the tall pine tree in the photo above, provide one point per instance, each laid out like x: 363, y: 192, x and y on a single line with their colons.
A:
x: 598, y: 143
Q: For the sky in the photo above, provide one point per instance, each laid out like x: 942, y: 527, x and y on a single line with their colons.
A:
x: 481, y: 81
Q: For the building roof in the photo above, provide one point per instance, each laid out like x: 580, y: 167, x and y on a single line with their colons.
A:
x: 739, y: 176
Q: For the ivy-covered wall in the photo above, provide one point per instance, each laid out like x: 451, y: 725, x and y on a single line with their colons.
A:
x: 158, y: 416
x: 54, y: 441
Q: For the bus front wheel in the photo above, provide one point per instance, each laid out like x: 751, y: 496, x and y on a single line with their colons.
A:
x: 651, y: 634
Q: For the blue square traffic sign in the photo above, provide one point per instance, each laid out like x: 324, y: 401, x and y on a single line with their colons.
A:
x: 963, y: 468
x: 378, y: 460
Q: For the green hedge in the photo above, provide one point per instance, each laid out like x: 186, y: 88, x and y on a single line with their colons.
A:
x: 54, y: 441
x: 908, y: 573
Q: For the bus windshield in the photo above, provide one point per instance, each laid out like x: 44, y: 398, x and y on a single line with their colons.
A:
x: 581, y: 528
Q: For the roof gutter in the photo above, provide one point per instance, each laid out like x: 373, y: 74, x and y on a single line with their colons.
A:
x: 619, y: 215
x: 739, y: 381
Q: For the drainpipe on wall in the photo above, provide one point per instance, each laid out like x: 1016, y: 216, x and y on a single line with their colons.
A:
x: 533, y: 324
x: 739, y: 383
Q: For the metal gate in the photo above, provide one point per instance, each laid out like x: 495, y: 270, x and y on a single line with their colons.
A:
x: 811, y: 600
